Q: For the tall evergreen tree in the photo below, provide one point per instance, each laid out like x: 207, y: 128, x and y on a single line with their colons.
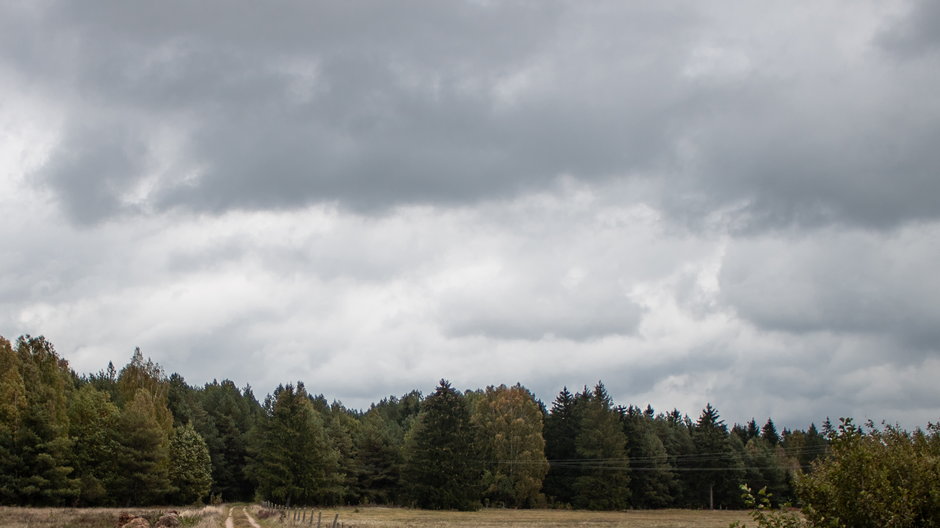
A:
x: 442, y: 470
x: 651, y: 478
x: 673, y: 430
x: 601, y: 448
x: 291, y: 458
x: 769, y: 433
x: 717, y: 466
x: 143, y: 457
x: 92, y: 424
x: 41, y: 444
x: 379, y: 460
x: 230, y: 414
x: 561, y: 428
x: 342, y: 429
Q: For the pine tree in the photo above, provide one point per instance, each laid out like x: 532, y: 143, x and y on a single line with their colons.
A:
x: 442, y: 470
x: 379, y: 460
x: 143, y: 457
x: 291, y: 458
x: 92, y: 425
x: 190, y: 466
x: 41, y: 445
x: 230, y: 415
x: 342, y: 428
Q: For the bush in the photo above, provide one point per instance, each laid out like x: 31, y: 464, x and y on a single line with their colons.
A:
x: 883, y: 478
x: 765, y: 515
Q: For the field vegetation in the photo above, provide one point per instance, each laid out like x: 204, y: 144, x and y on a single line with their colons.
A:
x: 135, y: 437
x: 377, y: 517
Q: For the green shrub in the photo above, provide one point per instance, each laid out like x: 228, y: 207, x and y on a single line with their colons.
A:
x: 885, y: 478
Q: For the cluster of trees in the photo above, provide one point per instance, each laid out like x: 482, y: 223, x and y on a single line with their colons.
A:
x: 104, y: 439
x: 139, y: 436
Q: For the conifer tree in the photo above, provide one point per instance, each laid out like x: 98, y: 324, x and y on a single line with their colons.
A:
x: 379, y: 460
x: 92, y: 425
x: 561, y: 428
x: 769, y: 433
x: 341, y: 429
x: 651, y: 478
x: 442, y: 469
x: 143, y: 457
x: 291, y: 458
x: 601, y: 447
x: 718, y: 469
x: 41, y: 445
x: 230, y: 415
x: 673, y: 431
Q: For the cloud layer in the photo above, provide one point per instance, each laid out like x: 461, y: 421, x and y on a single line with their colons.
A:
x: 726, y: 202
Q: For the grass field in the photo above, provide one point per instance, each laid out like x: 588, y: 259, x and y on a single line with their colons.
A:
x: 405, y: 518
x: 378, y: 517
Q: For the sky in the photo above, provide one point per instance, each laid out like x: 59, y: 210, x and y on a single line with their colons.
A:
x: 732, y: 202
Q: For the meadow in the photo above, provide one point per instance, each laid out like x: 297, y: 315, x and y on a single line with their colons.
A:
x: 377, y: 517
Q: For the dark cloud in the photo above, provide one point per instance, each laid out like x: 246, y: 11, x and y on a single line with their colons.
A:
x: 916, y: 33
x: 685, y: 198
x: 382, y: 105
x: 848, y: 283
x: 92, y: 168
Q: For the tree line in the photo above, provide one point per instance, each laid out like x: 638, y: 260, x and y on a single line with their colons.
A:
x: 136, y: 436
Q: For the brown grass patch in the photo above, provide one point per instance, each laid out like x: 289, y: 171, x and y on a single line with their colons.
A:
x: 380, y: 517
x: 14, y: 517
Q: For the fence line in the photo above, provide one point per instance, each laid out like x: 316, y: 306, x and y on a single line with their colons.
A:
x: 299, y: 516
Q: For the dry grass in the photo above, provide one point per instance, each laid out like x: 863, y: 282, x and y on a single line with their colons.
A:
x: 11, y: 517
x: 378, y: 517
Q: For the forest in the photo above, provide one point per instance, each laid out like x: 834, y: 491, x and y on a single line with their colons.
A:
x: 136, y: 436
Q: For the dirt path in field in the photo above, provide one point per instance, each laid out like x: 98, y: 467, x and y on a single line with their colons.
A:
x: 251, y: 520
x: 230, y: 520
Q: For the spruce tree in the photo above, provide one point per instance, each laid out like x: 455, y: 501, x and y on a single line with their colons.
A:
x: 561, y: 428
x: 717, y: 468
x: 442, y: 469
x: 769, y: 433
x: 651, y: 477
x: 601, y: 448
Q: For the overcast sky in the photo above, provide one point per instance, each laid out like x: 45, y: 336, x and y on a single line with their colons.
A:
x: 733, y: 202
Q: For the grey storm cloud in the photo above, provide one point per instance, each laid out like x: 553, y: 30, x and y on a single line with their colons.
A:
x: 377, y: 105
x: 684, y: 197
x: 842, y: 282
